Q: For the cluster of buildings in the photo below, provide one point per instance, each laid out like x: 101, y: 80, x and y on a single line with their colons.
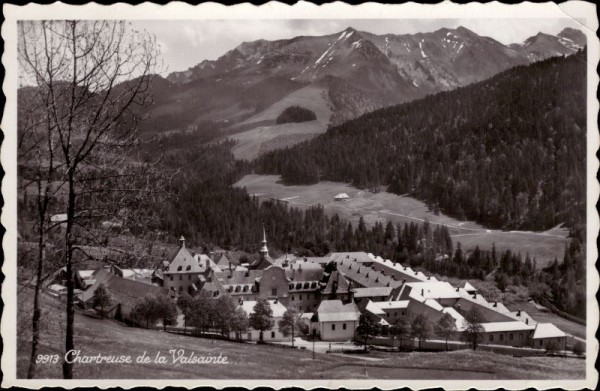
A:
x: 331, y: 301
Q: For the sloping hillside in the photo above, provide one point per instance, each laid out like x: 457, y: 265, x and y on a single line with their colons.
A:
x: 359, y: 72
x: 508, y: 152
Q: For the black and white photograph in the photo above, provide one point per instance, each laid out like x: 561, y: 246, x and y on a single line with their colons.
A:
x: 300, y: 195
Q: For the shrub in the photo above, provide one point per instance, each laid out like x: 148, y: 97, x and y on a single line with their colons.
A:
x: 579, y: 348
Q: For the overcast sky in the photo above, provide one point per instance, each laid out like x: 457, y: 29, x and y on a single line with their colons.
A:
x: 186, y: 43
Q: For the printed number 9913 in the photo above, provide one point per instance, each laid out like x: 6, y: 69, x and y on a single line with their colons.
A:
x: 47, y: 359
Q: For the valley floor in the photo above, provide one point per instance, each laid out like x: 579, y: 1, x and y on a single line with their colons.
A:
x: 384, y: 206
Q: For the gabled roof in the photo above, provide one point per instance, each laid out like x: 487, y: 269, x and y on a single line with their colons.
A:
x: 339, y: 279
x: 430, y: 290
x: 122, y: 290
x: 262, y: 263
x: 335, y: 310
x: 374, y: 308
x: 506, y: 326
x: 201, y: 260
x: 375, y: 291
x: 222, y: 261
x: 238, y: 277
x: 356, y: 256
x: 365, y: 276
x: 522, y: 316
x: 547, y: 330
x: 391, y: 305
x: 468, y: 287
x: 183, y: 262
x: 303, y: 271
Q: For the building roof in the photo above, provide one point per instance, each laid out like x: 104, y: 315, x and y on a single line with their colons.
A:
x: 547, y: 330
x: 184, y: 262
x: 374, y: 308
x: 392, y: 305
x: 338, y: 279
x: 341, y: 195
x: 365, y: 276
x: 335, y: 310
x: 222, y: 260
x: 303, y: 271
x: 523, y: 317
x: 429, y: 290
x: 262, y: 262
x: 468, y: 287
x: 375, y: 291
x: 122, y: 290
x: 460, y: 321
x: 505, y: 326
x: 238, y: 277
x: 398, y: 271
x: 356, y: 256
x: 278, y: 308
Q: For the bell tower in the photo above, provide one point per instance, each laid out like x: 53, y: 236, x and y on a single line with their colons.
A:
x: 264, y: 251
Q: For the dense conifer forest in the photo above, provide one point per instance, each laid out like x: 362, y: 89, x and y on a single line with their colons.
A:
x: 508, y: 152
x: 295, y: 114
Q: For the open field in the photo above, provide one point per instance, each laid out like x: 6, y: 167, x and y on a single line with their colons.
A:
x: 266, y: 135
x: 384, y: 206
x: 108, y: 337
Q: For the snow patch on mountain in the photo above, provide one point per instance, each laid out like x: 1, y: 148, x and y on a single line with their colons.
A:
x: 421, y: 47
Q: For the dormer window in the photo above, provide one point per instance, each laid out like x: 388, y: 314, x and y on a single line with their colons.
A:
x: 188, y: 268
x: 291, y: 286
x: 299, y: 285
x: 237, y: 288
x: 313, y: 285
x: 179, y: 268
x: 245, y: 288
x: 306, y: 285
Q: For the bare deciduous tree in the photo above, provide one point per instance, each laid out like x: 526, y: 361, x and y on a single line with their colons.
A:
x: 93, y: 78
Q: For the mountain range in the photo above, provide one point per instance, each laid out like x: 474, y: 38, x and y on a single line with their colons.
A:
x: 338, y: 76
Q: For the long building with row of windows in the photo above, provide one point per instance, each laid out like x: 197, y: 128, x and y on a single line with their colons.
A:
x: 379, y: 287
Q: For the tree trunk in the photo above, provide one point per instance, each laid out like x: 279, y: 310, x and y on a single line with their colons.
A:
x: 69, y: 340
x: 260, y: 337
x: 292, y: 335
x: 35, y: 337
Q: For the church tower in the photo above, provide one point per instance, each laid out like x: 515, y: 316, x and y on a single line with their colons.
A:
x: 264, y: 251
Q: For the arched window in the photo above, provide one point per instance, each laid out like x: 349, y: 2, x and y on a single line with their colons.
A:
x: 306, y: 285
x: 313, y: 285
x: 237, y: 288
x: 491, y: 338
x: 245, y: 288
x: 291, y: 286
x: 299, y: 285
x: 501, y: 337
x: 179, y: 268
x: 188, y: 268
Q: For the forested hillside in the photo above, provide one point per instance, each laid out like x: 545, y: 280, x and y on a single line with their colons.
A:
x: 508, y: 152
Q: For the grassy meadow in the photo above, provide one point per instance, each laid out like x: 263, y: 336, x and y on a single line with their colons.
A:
x: 108, y: 337
x: 384, y: 206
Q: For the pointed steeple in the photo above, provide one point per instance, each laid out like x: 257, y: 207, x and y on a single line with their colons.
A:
x: 182, y: 241
x: 264, y: 251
